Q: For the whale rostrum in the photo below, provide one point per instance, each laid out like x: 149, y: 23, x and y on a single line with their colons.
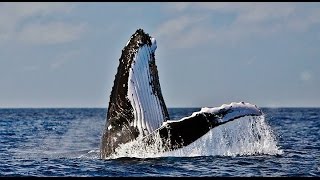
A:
x: 137, y: 108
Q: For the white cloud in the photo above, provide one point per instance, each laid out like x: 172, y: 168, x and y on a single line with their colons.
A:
x: 26, y: 9
x: 249, y: 20
x: 305, y: 76
x: 216, y: 6
x: 251, y: 60
x: 260, y: 13
x: 176, y: 25
x: 183, y: 32
x: 63, y: 59
x: 30, y: 68
x: 193, y: 37
x: 175, y: 7
x: 50, y: 33
x: 306, y: 21
x: 24, y: 21
x: 12, y: 14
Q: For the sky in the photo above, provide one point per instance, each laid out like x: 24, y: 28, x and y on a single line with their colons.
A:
x: 209, y: 54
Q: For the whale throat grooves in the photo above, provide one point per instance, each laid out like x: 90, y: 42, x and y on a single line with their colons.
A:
x: 136, y: 106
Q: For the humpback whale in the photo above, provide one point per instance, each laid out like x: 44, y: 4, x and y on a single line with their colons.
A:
x: 137, y: 108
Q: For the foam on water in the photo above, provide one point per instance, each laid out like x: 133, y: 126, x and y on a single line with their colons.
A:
x: 140, y: 149
x: 244, y: 136
x: 92, y: 154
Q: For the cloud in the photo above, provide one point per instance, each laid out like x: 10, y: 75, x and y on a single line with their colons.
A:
x: 12, y: 14
x: 30, y: 68
x: 176, y: 25
x: 217, y: 6
x: 246, y: 20
x: 305, y: 76
x: 24, y: 22
x: 51, y: 33
x: 63, y: 59
x: 184, y: 32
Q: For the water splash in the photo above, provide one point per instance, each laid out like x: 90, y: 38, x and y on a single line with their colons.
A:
x: 244, y: 136
x: 92, y: 154
x: 140, y: 149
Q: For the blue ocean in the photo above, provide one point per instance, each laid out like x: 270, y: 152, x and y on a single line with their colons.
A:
x: 65, y: 142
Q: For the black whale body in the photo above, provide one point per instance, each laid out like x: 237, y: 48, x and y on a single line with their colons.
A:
x: 137, y: 108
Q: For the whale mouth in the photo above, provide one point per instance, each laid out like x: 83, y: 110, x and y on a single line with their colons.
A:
x: 137, y: 107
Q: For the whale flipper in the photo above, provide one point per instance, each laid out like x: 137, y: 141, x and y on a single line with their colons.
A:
x: 136, y: 105
x: 179, y: 133
x: 137, y: 108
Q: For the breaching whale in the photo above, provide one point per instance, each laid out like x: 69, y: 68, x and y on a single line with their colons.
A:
x: 137, y: 107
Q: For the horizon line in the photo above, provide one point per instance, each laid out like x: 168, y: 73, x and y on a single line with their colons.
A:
x: 173, y: 107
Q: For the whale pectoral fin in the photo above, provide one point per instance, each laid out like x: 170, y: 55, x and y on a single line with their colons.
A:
x: 179, y: 133
x: 136, y: 106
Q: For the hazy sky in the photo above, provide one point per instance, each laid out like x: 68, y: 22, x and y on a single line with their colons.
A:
x: 66, y: 54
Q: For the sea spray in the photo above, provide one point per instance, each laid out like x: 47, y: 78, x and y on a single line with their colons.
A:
x: 141, y: 149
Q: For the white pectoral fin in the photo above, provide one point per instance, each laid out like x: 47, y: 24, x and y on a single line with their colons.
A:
x: 147, y: 109
x: 234, y: 110
x: 224, y: 113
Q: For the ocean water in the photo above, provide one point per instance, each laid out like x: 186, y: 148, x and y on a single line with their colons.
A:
x: 65, y: 142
